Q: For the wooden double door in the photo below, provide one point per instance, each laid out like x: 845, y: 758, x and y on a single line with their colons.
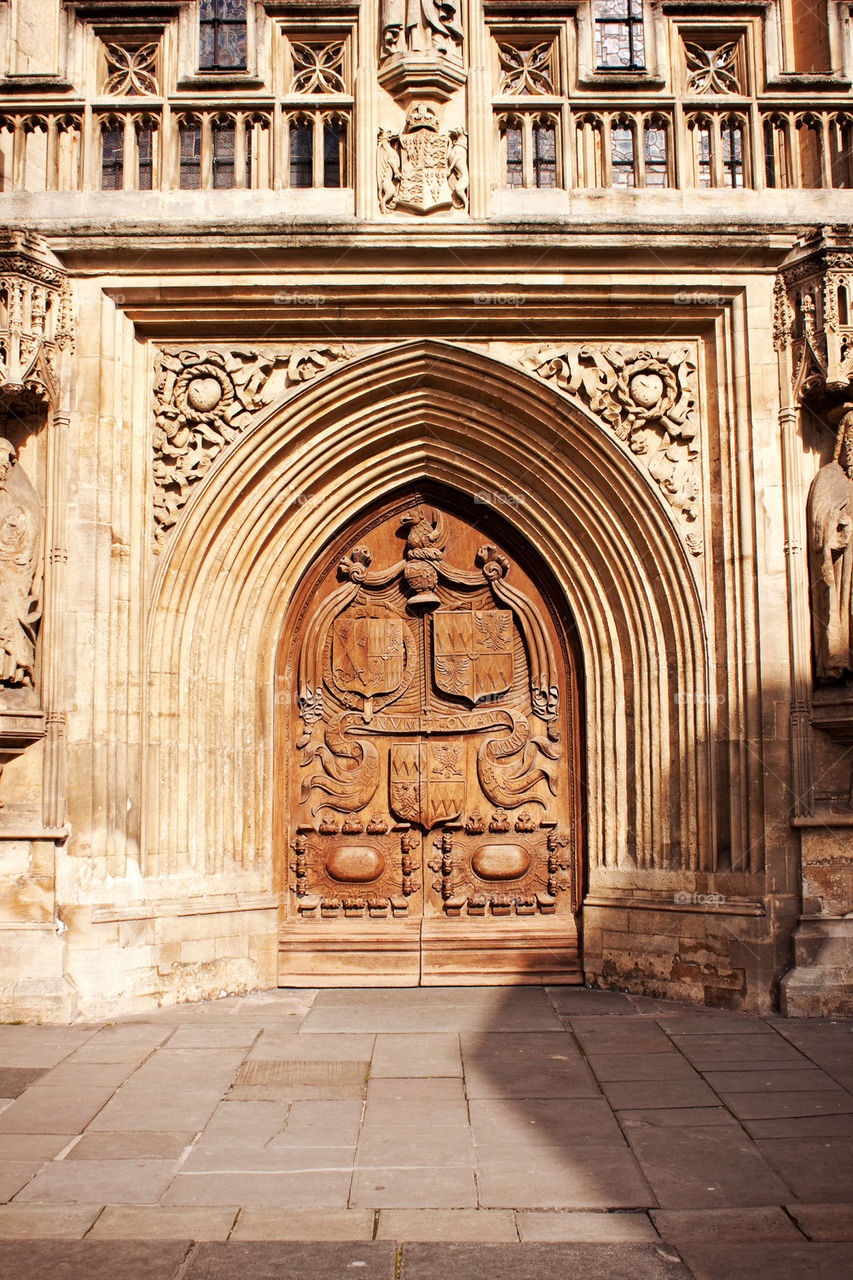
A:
x: 428, y: 766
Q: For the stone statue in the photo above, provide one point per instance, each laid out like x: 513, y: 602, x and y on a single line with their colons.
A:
x: 421, y: 26
x: 830, y: 523
x: 20, y: 537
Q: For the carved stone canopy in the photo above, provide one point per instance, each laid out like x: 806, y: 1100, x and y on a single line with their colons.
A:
x: 420, y: 52
x: 35, y: 320
x: 814, y: 315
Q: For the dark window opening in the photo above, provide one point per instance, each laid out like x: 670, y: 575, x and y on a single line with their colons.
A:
x: 145, y: 152
x: 334, y: 137
x: 112, y: 159
x: 544, y: 154
x: 190, y: 157
x: 514, y: 156
x: 301, y: 154
x: 224, y: 172
x: 732, y: 139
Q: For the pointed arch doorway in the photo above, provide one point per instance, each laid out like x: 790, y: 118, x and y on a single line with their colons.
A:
x: 428, y: 765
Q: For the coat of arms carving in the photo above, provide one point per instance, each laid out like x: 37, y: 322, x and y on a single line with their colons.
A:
x: 472, y: 652
x: 421, y: 169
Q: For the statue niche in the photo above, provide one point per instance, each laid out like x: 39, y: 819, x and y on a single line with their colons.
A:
x: 20, y: 603
x: 421, y: 26
x: 830, y: 522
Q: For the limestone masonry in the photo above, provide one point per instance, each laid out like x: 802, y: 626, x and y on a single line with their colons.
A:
x: 426, y: 499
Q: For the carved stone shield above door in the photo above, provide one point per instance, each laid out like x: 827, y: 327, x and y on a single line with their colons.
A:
x: 429, y: 763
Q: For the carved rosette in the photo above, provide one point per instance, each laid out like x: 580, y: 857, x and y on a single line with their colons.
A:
x: 205, y: 397
x: 647, y: 398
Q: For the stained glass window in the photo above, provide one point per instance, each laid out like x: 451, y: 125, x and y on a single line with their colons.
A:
x: 622, y: 156
x: 514, y: 155
x: 657, y: 167
x: 190, y: 166
x: 544, y: 153
x: 222, y: 35
x: 301, y: 153
x: 145, y: 153
x: 731, y: 135
x: 112, y: 159
x: 619, y: 41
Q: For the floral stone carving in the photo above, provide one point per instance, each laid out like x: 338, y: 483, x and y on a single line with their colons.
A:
x: 647, y: 398
x: 204, y: 398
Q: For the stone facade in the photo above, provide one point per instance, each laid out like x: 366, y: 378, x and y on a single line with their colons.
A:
x: 575, y: 280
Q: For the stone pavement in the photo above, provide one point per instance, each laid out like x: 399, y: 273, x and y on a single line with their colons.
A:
x: 478, y: 1134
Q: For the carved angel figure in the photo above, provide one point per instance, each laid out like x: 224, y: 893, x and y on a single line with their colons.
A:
x: 830, y: 522
x: 20, y: 536
x: 457, y: 168
x: 416, y: 26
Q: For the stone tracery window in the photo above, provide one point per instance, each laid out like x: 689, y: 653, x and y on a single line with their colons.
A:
x: 529, y: 150
x: 619, y: 36
x: 112, y: 155
x: 189, y: 136
x: 222, y: 35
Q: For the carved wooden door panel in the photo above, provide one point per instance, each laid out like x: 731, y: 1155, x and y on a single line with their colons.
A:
x: 428, y: 772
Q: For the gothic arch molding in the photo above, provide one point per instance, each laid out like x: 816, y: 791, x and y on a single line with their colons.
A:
x: 424, y: 412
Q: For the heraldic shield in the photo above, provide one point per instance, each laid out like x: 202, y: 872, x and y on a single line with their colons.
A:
x: 367, y: 654
x: 472, y: 652
x: 427, y: 780
x: 423, y: 171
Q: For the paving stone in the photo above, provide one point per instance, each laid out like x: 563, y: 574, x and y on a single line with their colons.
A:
x: 308, y: 1047
x: 802, y: 1127
x: 40, y: 1110
x: 413, y: 1187
x: 139, y: 1223
x: 686, y: 1021
x: 622, y: 1035
x: 35, y: 1222
x: 448, y: 1092
x: 705, y: 1168
x: 641, y: 1066
x: 809, y: 1079
x: 588, y: 1177
x: 525, y: 1066
x: 92, y: 1260
x: 106, y: 1181
x: 319, y: 1124
x: 488, y: 1225
x: 130, y: 1146
x: 72, y: 1076
x: 749, y: 1051
x: 641, y: 1094
x: 325, y: 1260
x: 760, y: 1106
x: 214, y: 1035
x: 819, y: 1170
x: 770, y: 1223
x: 304, y: 1224
x: 14, y: 1176
x: 156, y: 1109
x: 262, y: 1079
x: 584, y: 1227
x: 427, y: 1009
x: 14, y: 1080
x: 323, y: 1188
x: 824, y: 1221
x: 255, y: 1159
x: 536, y: 1126
x: 251, y: 1124
x: 678, y: 1118
x: 40, y: 1046
x: 767, y: 1261
x: 416, y: 1055
x: 424, y: 1147
x: 581, y: 1000
x: 29, y: 1147
x: 544, y: 1261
